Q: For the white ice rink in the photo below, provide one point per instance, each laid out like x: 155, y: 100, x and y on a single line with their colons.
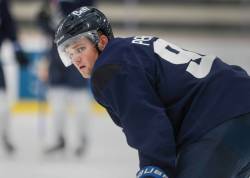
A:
x: 108, y: 155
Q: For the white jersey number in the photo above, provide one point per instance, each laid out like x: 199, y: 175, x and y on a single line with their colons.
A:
x: 176, y: 55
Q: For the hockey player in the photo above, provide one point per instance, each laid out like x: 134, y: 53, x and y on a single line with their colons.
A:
x: 66, y: 84
x: 186, y: 113
x: 7, y: 31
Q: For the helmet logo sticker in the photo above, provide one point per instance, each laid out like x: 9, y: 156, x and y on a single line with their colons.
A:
x: 80, y: 11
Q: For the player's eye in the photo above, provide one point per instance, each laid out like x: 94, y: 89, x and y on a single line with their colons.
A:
x: 80, y: 49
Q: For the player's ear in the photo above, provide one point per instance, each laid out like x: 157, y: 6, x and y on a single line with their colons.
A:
x: 103, y: 41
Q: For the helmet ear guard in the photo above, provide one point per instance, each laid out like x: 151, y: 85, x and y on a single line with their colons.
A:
x: 86, y: 21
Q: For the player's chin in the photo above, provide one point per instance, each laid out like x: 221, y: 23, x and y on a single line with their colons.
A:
x: 85, y: 75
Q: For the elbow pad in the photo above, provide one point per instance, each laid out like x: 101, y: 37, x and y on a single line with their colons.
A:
x: 151, y: 172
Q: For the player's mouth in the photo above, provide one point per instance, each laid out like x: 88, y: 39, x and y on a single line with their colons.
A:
x: 82, y: 67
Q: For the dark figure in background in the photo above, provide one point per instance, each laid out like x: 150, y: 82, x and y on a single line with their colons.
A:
x: 7, y: 31
x: 66, y: 84
x: 186, y: 113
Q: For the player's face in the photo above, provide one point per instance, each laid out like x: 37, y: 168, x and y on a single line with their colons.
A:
x: 83, y: 55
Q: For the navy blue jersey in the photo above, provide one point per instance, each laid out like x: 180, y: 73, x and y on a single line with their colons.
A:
x: 165, y: 97
x: 7, y: 25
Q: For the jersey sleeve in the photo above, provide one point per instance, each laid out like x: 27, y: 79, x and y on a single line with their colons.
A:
x: 129, y: 95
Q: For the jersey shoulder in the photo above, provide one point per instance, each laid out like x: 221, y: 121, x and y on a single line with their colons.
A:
x: 117, y: 55
x: 120, y: 50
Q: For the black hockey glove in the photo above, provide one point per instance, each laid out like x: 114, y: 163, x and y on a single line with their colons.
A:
x: 20, y: 56
x: 151, y: 172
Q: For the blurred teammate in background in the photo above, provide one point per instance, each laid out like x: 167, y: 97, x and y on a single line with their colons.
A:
x: 7, y: 31
x: 67, y: 89
x: 187, y: 114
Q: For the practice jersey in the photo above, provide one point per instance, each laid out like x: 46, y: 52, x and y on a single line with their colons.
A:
x: 7, y: 25
x: 165, y: 97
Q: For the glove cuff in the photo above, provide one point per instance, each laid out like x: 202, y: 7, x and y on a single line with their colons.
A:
x: 151, y: 172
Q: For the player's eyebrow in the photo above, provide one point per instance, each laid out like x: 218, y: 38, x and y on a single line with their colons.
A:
x: 77, y: 45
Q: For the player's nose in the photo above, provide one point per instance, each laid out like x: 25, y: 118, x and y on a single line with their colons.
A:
x: 76, y: 59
